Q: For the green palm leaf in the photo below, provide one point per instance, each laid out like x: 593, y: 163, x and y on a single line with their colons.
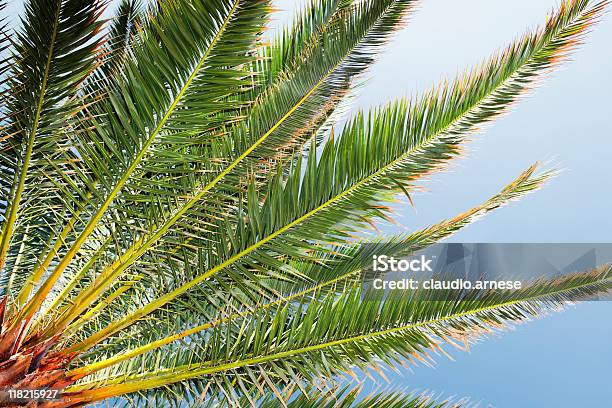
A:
x: 354, y: 328
x: 350, y: 34
x: 182, y: 205
x: 170, y: 57
x: 53, y: 53
x: 337, y: 270
x: 371, y: 155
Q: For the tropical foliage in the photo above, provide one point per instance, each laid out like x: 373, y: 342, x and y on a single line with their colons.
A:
x: 182, y: 207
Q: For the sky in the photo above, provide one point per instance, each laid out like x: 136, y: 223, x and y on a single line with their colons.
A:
x: 564, y: 359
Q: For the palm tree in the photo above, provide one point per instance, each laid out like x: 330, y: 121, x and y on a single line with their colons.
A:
x: 181, y: 221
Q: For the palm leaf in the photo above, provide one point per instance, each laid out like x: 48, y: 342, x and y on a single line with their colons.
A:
x: 53, y: 53
x: 336, y: 332
x: 175, y: 60
x: 351, y: 34
x: 429, y: 133
x: 337, y: 270
x: 181, y: 220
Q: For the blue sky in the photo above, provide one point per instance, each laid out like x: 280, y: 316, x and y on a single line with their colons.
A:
x: 563, y: 360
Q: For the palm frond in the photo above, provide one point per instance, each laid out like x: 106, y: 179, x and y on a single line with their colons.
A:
x: 124, y: 27
x: 53, y: 52
x: 354, y: 398
x: 181, y: 209
x: 288, y: 45
x: 170, y: 65
x: 340, y: 49
x: 338, y: 269
x: 331, y: 335
x: 396, y: 145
